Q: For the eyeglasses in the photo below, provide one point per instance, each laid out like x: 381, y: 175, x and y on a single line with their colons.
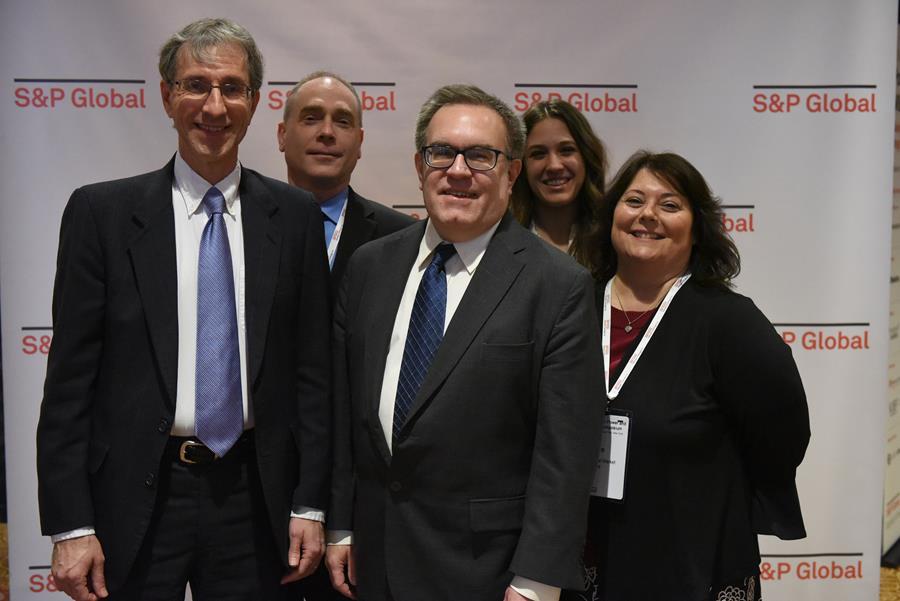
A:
x: 200, y: 88
x: 478, y: 158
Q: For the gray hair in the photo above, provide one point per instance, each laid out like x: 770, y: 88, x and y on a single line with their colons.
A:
x: 200, y: 36
x: 472, y: 95
x: 289, y: 103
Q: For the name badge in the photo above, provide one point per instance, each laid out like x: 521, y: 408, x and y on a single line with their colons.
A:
x: 609, y: 477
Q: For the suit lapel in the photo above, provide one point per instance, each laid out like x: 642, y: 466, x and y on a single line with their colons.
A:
x: 496, y: 272
x: 359, y: 226
x: 152, y: 251
x: 262, y: 243
x: 389, y: 282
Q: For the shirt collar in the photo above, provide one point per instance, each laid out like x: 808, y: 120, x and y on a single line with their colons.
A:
x: 193, y: 187
x: 334, y: 205
x: 469, y: 252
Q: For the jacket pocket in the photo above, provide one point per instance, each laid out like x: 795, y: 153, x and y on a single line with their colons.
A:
x: 487, y: 515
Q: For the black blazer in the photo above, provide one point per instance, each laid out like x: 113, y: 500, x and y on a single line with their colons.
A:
x: 490, y: 474
x: 365, y: 220
x: 719, y: 426
x: 109, y: 395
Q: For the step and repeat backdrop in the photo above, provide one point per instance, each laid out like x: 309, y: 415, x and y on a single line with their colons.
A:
x: 787, y: 109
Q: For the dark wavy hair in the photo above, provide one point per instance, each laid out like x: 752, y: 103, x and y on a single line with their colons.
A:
x: 590, y: 196
x: 714, y: 261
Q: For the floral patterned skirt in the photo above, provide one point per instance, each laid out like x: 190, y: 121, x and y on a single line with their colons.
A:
x: 744, y: 590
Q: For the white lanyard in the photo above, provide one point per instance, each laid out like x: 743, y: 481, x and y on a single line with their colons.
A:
x: 336, y: 235
x: 648, y: 334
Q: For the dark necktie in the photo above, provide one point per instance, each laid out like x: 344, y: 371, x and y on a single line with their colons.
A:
x: 219, y: 412
x: 426, y: 330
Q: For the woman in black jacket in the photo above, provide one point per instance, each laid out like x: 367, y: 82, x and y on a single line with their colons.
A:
x: 706, y: 392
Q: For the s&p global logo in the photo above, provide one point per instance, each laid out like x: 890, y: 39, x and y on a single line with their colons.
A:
x: 814, y: 99
x: 374, y: 96
x: 738, y: 219
x: 104, y: 94
x: 833, y: 336
x: 586, y: 97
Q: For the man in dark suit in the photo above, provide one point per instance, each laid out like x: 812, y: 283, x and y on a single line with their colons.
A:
x: 466, y: 401
x: 184, y: 433
x: 321, y: 137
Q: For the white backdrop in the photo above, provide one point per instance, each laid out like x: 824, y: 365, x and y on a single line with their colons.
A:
x: 804, y: 168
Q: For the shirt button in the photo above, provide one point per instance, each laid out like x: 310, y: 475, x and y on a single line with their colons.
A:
x: 396, y: 486
x: 151, y: 478
x: 163, y: 425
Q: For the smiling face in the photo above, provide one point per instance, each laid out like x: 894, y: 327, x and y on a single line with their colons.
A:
x: 652, y: 226
x: 461, y: 203
x: 553, y: 164
x: 321, y: 137
x: 210, y: 128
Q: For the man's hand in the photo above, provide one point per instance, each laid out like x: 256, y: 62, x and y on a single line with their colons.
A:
x: 341, y: 569
x: 306, y: 548
x: 77, y: 568
x: 512, y: 595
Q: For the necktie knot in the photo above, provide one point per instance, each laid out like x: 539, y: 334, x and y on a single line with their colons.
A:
x: 442, y: 254
x: 214, y: 201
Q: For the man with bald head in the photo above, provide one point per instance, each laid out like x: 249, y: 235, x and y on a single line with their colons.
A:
x: 321, y: 137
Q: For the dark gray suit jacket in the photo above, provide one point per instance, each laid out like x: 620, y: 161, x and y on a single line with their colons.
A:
x: 109, y: 396
x: 490, y: 474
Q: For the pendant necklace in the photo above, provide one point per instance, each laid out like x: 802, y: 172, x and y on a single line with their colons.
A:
x: 628, y: 326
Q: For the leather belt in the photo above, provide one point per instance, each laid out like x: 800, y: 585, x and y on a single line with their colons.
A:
x: 190, y: 451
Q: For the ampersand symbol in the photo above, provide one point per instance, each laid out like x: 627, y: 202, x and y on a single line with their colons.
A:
x: 776, y: 105
x: 766, y: 571
x: 38, y: 98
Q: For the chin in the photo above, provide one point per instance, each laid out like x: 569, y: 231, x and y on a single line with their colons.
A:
x: 558, y: 201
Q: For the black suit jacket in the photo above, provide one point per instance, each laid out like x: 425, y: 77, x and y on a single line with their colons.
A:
x: 365, y: 220
x: 109, y: 395
x: 490, y: 474
x: 719, y: 426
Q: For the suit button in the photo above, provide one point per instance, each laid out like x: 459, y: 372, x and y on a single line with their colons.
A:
x: 396, y: 486
x: 163, y: 425
x: 151, y: 478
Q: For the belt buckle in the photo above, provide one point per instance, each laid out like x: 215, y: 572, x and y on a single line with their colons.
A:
x: 182, y: 451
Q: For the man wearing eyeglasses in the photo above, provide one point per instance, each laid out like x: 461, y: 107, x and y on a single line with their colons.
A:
x: 466, y: 412
x: 184, y: 433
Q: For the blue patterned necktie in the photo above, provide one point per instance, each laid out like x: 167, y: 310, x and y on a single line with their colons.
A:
x: 426, y: 330
x: 219, y: 410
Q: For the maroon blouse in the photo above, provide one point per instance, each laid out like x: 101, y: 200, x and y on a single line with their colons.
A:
x: 620, y: 339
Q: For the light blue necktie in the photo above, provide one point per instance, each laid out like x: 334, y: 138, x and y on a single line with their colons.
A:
x: 219, y: 415
x: 426, y: 330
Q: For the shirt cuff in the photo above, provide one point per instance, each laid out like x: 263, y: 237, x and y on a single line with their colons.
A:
x: 339, y: 537
x: 535, y: 591
x: 308, y: 513
x: 77, y: 533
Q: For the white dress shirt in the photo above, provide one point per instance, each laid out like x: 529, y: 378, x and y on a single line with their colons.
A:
x: 459, y: 269
x: 191, y: 217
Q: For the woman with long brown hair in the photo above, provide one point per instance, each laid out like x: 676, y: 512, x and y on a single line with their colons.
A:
x: 558, y: 195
